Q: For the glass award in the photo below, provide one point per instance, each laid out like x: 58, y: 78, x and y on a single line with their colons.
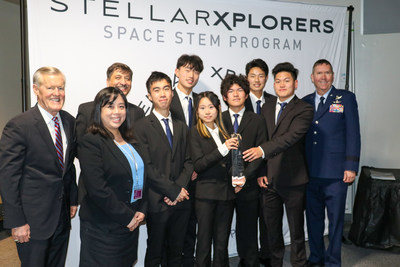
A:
x: 237, y: 162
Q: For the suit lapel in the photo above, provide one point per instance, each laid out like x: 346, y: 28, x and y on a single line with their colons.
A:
x: 289, y: 107
x: 329, y: 100
x: 119, y: 155
x: 243, y: 123
x: 270, y: 116
x: 176, y: 107
x: 176, y: 136
x: 226, y: 117
x: 159, y: 129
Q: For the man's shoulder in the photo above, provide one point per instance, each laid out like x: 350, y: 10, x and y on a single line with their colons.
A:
x: 86, y: 107
x: 136, y: 109
x: 67, y: 115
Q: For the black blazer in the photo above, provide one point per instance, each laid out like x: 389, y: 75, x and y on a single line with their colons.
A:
x: 249, y: 106
x: 107, y: 177
x: 32, y: 183
x: 167, y: 170
x: 85, y: 112
x: 177, y: 111
x: 253, y: 130
x: 285, y: 152
x: 213, y: 180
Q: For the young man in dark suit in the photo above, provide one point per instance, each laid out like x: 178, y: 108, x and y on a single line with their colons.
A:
x: 37, y: 174
x: 333, y: 154
x: 257, y: 76
x: 188, y: 69
x: 118, y: 75
x: 251, y: 127
x: 169, y: 170
x: 288, y: 119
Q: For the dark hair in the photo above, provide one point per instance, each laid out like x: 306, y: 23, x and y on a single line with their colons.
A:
x: 156, y: 76
x: 118, y: 66
x: 201, y: 128
x: 287, y: 67
x: 105, y: 97
x: 258, y: 62
x: 320, y: 62
x: 231, y: 79
x: 192, y: 61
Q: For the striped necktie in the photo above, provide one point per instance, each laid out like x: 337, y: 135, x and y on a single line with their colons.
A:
x: 59, y: 143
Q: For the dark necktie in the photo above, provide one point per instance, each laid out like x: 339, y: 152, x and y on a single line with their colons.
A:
x: 190, y: 115
x: 235, y: 123
x: 258, y: 106
x: 283, y: 105
x: 168, y: 130
x: 59, y: 143
x: 321, y: 104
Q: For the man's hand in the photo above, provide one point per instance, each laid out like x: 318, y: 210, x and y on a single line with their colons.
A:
x: 262, y: 181
x: 194, y: 176
x: 21, y: 234
x: 252, y: 154
x: 136, y: 220
x: 231, y: 143
x: 73, y: 210
x: 169, y: 202
x: 184, y: 194
x: 349, y: 176
x: 237, y: 189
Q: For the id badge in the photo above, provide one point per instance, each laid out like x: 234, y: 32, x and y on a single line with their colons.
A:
x: 137, y: 194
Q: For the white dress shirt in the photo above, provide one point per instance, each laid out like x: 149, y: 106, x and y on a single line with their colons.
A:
x: 184, y: 103
x: 161, y: 117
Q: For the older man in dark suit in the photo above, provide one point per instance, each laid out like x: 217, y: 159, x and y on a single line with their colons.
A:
x: 333, y: 154
x: 169, y: 170
x: 37, y: 175
x: 288, y: 119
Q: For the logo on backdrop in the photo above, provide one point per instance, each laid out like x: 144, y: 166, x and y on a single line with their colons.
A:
x: 267, y: 28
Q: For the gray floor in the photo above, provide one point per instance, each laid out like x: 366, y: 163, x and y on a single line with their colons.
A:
x: 352, y: 256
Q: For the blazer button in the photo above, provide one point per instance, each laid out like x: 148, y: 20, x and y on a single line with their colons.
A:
x: 315, y: 143
x: 315, y: 132
x: 316, y: 122
x: 128, y: 192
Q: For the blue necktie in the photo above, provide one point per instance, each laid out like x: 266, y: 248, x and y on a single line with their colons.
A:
x: 321, y: 104
x: 258, y: 106
x: 283, y: 105
x: 189, y: 111
x: 168, y: 130
x: 235, y: 123
x: 59, y: 143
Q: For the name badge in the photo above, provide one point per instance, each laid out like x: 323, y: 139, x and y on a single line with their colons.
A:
x: 336, y: 108
x: 137, y: 194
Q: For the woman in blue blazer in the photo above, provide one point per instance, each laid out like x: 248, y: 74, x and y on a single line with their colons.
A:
x: 113, y: 175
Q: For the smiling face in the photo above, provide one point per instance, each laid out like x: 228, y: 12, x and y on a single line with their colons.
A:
x: 120, y: 79
x: 207, y: 112
x: 188, y: 78
x: 236, y: 96
x: 284, y: 85
x: 113, y: 114
x: 322, y: 77
x: 161, y: 95
x: 257, y: 80
x: 50, y: 93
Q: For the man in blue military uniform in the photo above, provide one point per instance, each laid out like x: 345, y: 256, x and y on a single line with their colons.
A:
x: 333, y: 153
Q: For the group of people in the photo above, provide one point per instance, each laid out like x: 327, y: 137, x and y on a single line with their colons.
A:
x: 172, y: 169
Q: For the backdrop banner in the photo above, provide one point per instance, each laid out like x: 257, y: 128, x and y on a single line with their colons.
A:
x: 83, y: 37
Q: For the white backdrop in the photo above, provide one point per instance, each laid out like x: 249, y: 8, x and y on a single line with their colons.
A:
x: 84, y: 37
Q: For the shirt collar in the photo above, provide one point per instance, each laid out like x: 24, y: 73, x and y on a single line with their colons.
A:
x: 182, y: 95
x: 231, y: 113
x: 160, y: 117
x: 287, y: 100
x: 213, y: 131
x: 324, y: 95
x: 254, y: 98
x: 47, y: 116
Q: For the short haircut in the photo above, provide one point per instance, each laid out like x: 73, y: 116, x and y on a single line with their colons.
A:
x: 192, y: 61
x: 201, y: 128
x: 156, y: 76
x: 105, y: 97
x: 231, y: 79
x: 118, y: 66
x: 286, y: 67
x: 258, y: 62
x: 321, y: 62
x: 47, y: 70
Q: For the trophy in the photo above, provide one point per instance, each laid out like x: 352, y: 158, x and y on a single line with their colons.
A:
x: 237, y: 163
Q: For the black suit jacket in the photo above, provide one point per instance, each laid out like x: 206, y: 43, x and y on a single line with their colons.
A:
x: 32, y: 183
x: 177, y: 111
x: 167, y: 170
x: 107, y: 177
x: 85, y: 112
x: 249, y: 106
x: 285, y: 152
x: 213, y: 180
x: 254, y: 132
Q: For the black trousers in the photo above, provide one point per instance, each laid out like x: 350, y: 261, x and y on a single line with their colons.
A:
x: 166, y: 231
x: 49, y: 252
x: 214, y: 226
x: 273, y: 199
x: 246, y: 231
